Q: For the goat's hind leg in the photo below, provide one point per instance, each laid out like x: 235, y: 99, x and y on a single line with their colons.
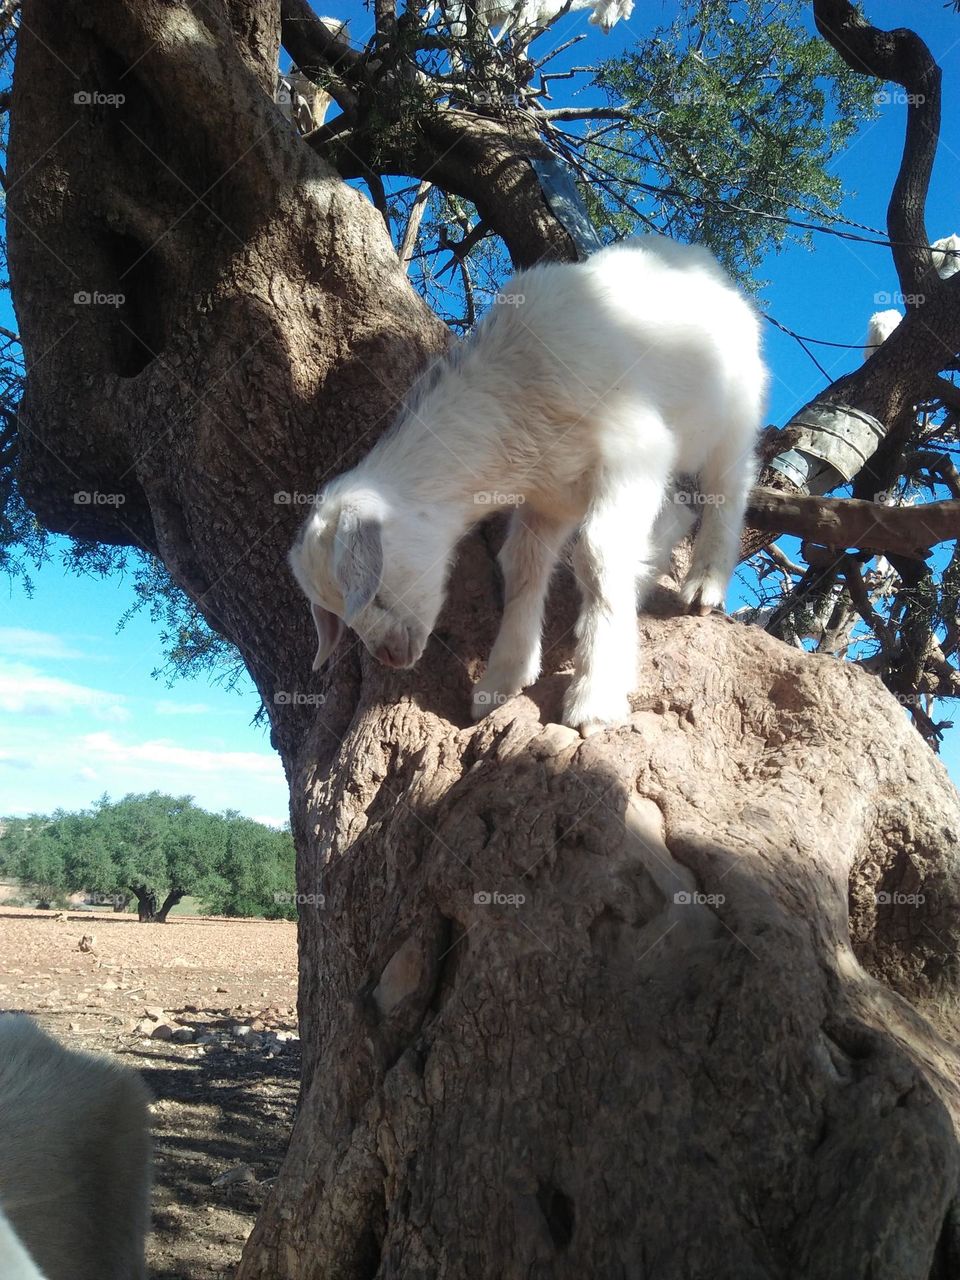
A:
x: 527, y: 558
x: 613, y: 561
x: 725, y: 486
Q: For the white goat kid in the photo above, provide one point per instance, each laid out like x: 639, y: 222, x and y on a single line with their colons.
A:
x: 578, y: 397
x: 946, y: 259
x: 74, y: 1161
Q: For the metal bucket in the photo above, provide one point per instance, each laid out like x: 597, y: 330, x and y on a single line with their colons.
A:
x: 832, y: 442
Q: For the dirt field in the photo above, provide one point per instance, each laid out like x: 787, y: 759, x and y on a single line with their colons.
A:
x: 223, y: 1106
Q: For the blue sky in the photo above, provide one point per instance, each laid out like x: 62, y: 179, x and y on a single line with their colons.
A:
x: 79, y: 711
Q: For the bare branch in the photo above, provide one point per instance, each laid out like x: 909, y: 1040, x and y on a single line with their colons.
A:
x: 586, y: 113
x: 459, y: 249
x: 409, y: 241
x: 847, y: 522
x: 936, y: 463
x: 378, y: 195
x: 947, y: 392
x: 860, y: 597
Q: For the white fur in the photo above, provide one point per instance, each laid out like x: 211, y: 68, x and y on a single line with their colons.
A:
x: 946, y: 259
x: 521, y: 14
x: 882, y: 324
x: 946, y: 256
x: 577, y: 398
x: 74, y: 1161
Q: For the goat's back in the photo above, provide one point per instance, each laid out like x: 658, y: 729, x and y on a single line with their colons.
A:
x: 646, y: 329
x: 74, y: 1156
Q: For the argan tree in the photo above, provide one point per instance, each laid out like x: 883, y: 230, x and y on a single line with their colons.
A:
x: 665, y: 1002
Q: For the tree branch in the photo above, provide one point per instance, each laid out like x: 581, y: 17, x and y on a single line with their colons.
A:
x: 901, y: 57
x: 320, y: 54
x: 586, y: 113
x: 860, y: 597
x: 479, y: 159
x: 409, y: 241
x: 846, y: 522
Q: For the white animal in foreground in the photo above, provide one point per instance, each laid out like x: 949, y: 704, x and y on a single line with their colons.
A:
x: 74, y: 1161
x: 946, y: 259
x: 577, y: 398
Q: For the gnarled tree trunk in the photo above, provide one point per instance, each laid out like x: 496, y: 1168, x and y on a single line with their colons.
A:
x: 663, y: 1003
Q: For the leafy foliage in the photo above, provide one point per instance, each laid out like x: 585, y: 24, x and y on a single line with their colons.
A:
x: 736, y: 110
x: 151, y: 847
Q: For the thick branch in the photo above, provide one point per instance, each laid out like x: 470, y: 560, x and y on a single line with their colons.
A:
x: 313, y: 46
x: 901, y: 57
x: 473, y: 157
x: 845, y: 522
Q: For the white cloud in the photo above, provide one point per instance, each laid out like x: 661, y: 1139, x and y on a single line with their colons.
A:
x: 161, y: 751
x: 9, y: 761
x: 269, y: 821
x: 28, y: 692
x: 20, y: 642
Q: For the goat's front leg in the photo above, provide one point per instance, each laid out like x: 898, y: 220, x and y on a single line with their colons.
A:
x: 613, y: 562
x: 527, y: 558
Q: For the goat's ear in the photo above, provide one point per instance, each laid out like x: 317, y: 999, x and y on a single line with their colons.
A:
x: 329, y: 630
x: 357, y: 559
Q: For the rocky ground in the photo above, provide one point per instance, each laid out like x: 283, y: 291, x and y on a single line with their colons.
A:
x: 206, y: 1010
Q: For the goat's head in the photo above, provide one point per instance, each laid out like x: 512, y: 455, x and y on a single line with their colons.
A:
x: 362, y: 562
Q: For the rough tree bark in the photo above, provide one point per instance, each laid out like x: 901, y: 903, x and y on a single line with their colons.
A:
x: 149, y: 910
x: 708, y: 1041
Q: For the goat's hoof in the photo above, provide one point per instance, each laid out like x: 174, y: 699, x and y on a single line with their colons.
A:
x: 703, y: 597
x: 591, y: 716
x: 590, y: 728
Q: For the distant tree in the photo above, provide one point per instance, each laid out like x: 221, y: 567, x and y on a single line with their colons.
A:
x: 257, y: 874
x: 157, y: 849
x: 32, y: 851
